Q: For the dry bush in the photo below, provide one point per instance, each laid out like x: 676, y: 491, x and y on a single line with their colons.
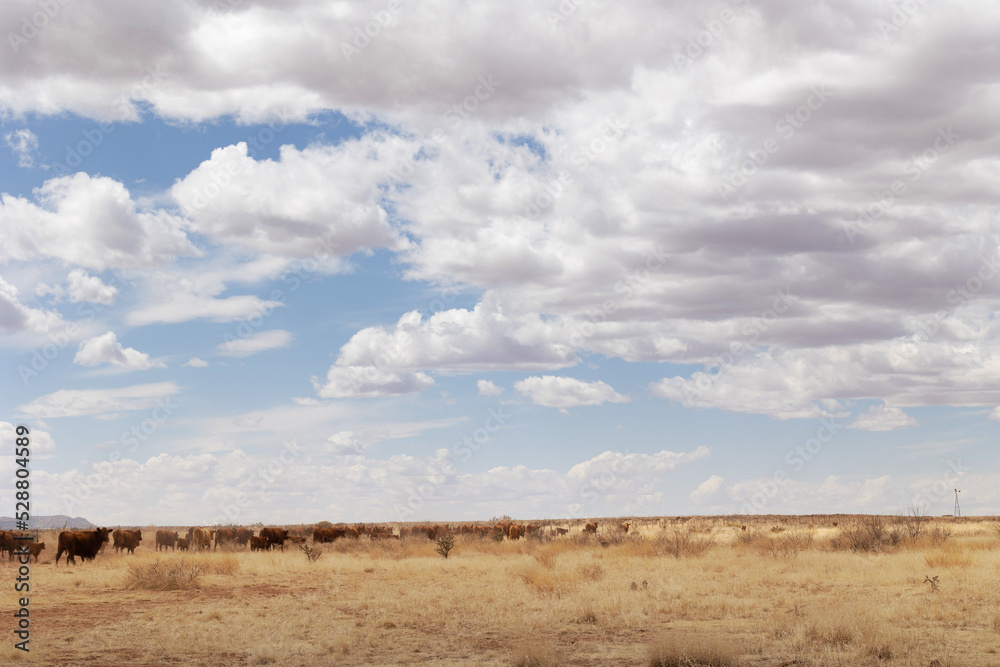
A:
x: 866, y: 533
x: 939, y: 534
x: 679, y: 541
x: 671, y: 650
x: 163, y: 575
x: 747, y: 536
x: 586, y: 615
x: 783, y: 546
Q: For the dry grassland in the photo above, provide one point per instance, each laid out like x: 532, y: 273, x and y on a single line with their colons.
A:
x: 697, y: 593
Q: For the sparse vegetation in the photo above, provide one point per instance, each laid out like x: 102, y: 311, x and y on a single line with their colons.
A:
x: 313, y: 553
x: 163, y: 575
x: 567, y: 600
x: 445, y: 545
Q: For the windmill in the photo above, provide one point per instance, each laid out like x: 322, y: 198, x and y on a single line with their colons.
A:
x: 958, y: 510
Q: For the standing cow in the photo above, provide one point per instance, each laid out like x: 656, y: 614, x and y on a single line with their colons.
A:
x: 200, y: 538
x: 275, y: 536
x: 165, y: 539
x: 82, y: 543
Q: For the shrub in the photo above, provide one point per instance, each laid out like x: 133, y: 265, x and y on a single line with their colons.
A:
x: 683, y: 541
x: 163, y: 575
x: 445, y: 545
x: 311, y: 552
x: 866, y: 533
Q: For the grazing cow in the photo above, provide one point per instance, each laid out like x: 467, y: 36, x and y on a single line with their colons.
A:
x: 531, y: 529
x: 82, y: 543
x: 258, y: 543
x: 352, y: 532
x: 200, y: 538
x: 562, y: 531
x: 183, y: 543
x: 590, y: 528
x: 166, y: 538
x: 127, y: 539
x: 624, y: 527
x: 275, y: 536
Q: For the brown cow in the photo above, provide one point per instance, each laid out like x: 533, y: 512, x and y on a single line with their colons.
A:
x: 624, y: 527
x: 166, y: 538
x: 352, y: 532
x: 183, y: 543
x: 560, y: 531
x: 35, y: 548
x: 200, y: 538
x: 590, y: 527
x: 224, y: 535
x: 327, y: 534
x: 516, y: 532
x: 258, y: 543
x: 9, y: 542
x: 243, y: 536
x: 127, y: 539
x: 531, y: 529
x: 82, y: 543
x: 275, y: 536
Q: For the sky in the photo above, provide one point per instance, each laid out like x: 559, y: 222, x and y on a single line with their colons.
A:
x: 294, y: 261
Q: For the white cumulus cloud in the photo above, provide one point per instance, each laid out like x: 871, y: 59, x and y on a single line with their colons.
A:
x: 105, y: 349
x: 563, y: 392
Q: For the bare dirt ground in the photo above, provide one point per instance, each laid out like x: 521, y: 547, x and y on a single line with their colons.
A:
x: 694, y: 593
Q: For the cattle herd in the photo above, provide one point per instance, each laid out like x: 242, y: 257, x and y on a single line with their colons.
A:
x: 88, y: 543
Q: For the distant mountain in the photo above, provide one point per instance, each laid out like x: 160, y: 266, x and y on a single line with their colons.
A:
x: 48, y: 522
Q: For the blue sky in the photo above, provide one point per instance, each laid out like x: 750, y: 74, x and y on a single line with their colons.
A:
x: 576, y: 260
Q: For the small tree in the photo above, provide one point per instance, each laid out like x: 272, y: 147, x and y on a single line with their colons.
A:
x: 312, y: 553
x: 445, y: 545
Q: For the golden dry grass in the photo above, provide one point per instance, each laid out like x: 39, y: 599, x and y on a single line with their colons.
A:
x: 774, y: 598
